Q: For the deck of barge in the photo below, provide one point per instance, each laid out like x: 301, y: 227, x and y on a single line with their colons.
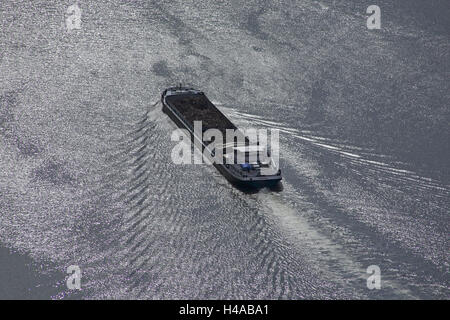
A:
x: 197, y: 107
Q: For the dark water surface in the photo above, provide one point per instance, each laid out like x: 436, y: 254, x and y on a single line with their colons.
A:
x: 86, y: 176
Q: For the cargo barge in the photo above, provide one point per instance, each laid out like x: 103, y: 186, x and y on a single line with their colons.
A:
x: 186, y: 105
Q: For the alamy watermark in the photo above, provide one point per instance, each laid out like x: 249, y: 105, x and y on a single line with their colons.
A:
x: 73, y: 17
x: 250, y: 146
x: 73, y: 20
x: 374, y: 20
x: 74, y: 280
x: 374, y: 280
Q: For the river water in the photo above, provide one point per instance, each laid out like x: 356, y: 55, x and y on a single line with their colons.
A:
x: 86, y: 176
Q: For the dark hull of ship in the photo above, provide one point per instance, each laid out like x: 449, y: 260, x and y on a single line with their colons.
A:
x: 231, y: 174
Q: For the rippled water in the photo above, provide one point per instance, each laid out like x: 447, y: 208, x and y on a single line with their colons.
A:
x: 86, y: 176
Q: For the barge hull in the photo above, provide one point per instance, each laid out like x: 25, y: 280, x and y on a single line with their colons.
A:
x: 249, y: 182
